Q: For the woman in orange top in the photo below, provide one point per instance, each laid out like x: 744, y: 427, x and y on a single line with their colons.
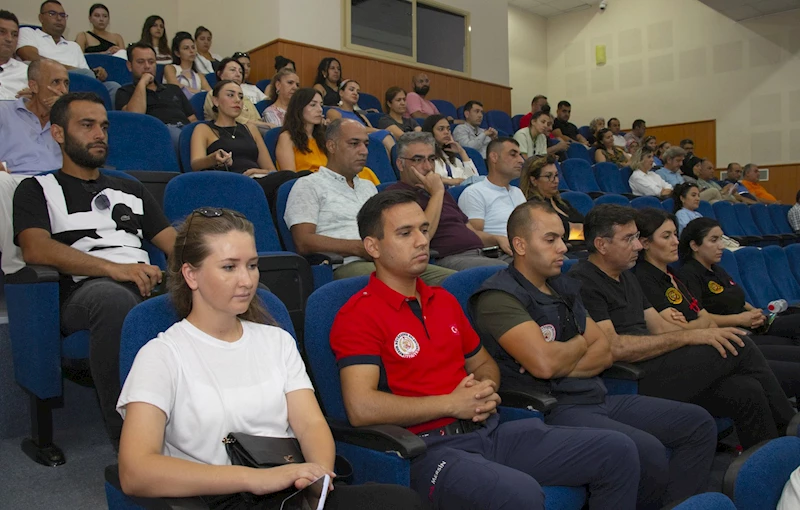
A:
x: 301, y: 144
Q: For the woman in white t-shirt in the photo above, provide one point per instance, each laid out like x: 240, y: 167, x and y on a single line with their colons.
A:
x: 643, y: 181
x: 224, y: 368
x: 453, y: 164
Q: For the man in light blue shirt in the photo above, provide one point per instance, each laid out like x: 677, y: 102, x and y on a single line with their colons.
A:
x: 671, y: 171
x: 27, y: 146
x: 470, y: 133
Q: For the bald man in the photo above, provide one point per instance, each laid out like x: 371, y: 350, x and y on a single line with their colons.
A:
x: 416, y: 105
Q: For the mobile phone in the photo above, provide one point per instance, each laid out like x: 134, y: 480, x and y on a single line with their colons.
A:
x: 311, y: 498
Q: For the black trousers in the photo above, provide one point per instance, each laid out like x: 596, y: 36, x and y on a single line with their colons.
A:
x: 783, y: 356
x: 741, y: 387
x: 786, y: 325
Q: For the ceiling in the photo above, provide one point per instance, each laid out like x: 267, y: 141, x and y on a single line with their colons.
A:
x: 552, y: 8
x: 740, y: 10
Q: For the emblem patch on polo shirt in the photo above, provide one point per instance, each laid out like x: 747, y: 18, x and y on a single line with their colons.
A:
x: 548, y: 332
x: 674, y: 296
x: 715, y: 287
x: 406, y: 346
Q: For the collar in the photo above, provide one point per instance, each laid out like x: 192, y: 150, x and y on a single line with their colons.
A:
x: 12, y: 62
x: 590, y: 266
x: 394, y: 298
x: 475, y: 129
x: 45, y: 35
x: 652, y: 271
x: 330, y: 174
x: 491, y: 185
x: 694, y: 262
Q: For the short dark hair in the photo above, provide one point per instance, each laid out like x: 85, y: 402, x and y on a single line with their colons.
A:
x: 685, y: 141
x: 612, y: 119
x: 59, y: 113
x: 9, y: 16
x: 696, y: 230
x: 391, y: 93
x: 564, y: 103
x: 223, y: 63
x: 370, y: 217
x: 281, y: 62
x: 539, y: 114
x: 601, y: 220
x: 141, y: 45
x: 650, y: 219
x: 638, y: 123
x: 730, y: 165
x: 538, y: 97
x: 469, y: 104
x: 497, y: 143
x: 98, y: 6
x: 48, y: 2
x: 519, y: 221
x: 176, y: 46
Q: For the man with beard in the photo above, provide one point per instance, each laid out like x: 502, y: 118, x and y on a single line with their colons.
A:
x: 28, y: 147
x: 91, y: 227
x: 416, y: 105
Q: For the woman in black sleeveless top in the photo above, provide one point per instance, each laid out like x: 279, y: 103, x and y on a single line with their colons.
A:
x: 225, y: 144
x: 329, y: 75
x: 99, y: 40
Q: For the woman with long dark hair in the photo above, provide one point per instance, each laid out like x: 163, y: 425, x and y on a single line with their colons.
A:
x: 154, y: 33
x: 183, y: 70
x: 329, y: 75
x: 453, y: 164
x: 349, y: 91
x: 607, y: 151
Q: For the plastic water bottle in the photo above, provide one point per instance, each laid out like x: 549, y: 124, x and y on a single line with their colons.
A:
x: 778, y: 306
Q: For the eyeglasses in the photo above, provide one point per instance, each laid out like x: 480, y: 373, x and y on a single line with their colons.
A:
x: 629, y: 238
x: 549, y: 177
x: 240, y: 54
x: 418, y: 160
x: 208, y: 212
x: 101, y: 201
x: 53, y: 14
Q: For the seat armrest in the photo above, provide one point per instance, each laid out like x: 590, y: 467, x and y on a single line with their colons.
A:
x: 626, y: 371
x: 33, y: 274
x: 320, y: 258
x: 528, y: 399
x: 384, y: 438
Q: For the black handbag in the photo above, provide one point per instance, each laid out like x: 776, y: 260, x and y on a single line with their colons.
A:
x: 262, y: 452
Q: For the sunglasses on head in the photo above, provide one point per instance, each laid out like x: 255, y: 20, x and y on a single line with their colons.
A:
x: 207, y: 212
x: 240, y: 54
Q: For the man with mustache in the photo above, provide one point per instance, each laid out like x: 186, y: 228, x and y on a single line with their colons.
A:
x: 416, y: 105
x: 91, y: 228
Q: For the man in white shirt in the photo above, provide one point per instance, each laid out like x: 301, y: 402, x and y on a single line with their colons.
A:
x: 13, y: 73
x: 322, y: 208
x: 489, y: 203
x: 614, y: 126
x: 470, y: 133
x: 49, y: 42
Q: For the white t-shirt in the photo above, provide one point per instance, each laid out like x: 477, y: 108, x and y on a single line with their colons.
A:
x: 204, y: 65
x: 790, y: 499
x: 252, y: 93
x: 647, y: 184
x: 13, y: 78
x: 66, y: 52
x: 209, y: 388
x: 491, y: 203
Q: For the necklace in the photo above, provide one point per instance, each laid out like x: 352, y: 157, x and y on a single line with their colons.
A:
x: 225, y: 129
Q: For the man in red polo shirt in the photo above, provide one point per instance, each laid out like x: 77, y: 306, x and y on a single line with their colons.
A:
x: 408, y: 356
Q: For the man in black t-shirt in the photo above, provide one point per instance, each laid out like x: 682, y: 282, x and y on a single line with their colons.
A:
x: 563, y: 128
x: 91, y: 227
x: 734, y: 381
x: 166, y: 102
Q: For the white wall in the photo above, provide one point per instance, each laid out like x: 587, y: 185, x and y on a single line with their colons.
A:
x: 527, y: 55
x: 673, y: 61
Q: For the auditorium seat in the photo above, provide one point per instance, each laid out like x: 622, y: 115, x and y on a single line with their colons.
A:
x: 499, y: 120
x: 185, y: 146
x: 82, y: 83
x: 445, y: 107
x: 793, y: 254
x: 456, y: 191
x: 198, y: 101
x: 780, y: 272
x: 116, y: 68
x: 778, y: 213
x: 262, y: 105
x: 707, y: 501
x: 643, y: 202
x: 609, y: 178
x: 755, y: 479
x: 579, y: 151
x: 211, y: 78
x: 263, y: 84
x: 585, y: 132
x: 706, y: 210
x: 368, y: 101
x: 745, y: 218
x: 139, y: 142
x: 515, y: 120
x: 160, y: 73
x: 477, y: 160
x: 667, y: 204
x: 729, y: 222
x: 562, y: 182
x: 374, y: 118
x: 729, y: 264
x: 612, y: 198
x: 580, y: 201
x: 580, y: 177
x: 765, y: 224
x: 271, y: 141
x: 755, y: 277
x: 625, y: 175
x: 378, y: 160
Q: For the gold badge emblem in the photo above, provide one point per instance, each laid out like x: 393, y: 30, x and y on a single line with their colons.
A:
x: 715, y: 287
x: 674, y: 296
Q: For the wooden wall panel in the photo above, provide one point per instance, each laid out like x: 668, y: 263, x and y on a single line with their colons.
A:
x: 376, y: 75
x: 704, y: 134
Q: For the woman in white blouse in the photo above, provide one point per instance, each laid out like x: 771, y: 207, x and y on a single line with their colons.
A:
x: 452, y: 162
x: 643, y: 182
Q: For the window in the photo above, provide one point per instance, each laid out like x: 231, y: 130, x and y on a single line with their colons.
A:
x: 409, y: 31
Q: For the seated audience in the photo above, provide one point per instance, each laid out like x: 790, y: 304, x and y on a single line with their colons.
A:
x: 729, y: 379
x: 14, y: 72
x: 675, y: 161
x: 329, y: 75
x: 251, y: 92
x: 538, y: 104
x: 488, y: 203
x: 733, y: 175
x: 690, y: 168
x: 348, y: 103
x: 651, y: 143
x: 281, y: 89
x: 99, y: 39
x: 282, y: 63
x: 794, y: 214
x: 643, y: 181
x: 165, y: 102
x: 614, y: 126
x: 687, y: 144
x: 470, y: 133
x: 183, y: 70
x: 28, y: 147
x: 395, y: 120
x: 750, y: 178
x: 637, y: 132
x: 154, y: 34
x: 595, y: 125
x: 230, y: 69
x: 563, y: 128
x: 322, y: 207
x: 539, y: 183
x: 686, y: 200
x: 632, y: 146
x: 206, y: 62
x: 677, y: 305
x: 226, y: 144
x: 532, y: 139
x: 607, y: 151
x: 531, y: 319
x: 49, y: 42
x: 416, y: 105
x: 301, y: 144
x: 103, y: 274
x: 453, y: 164
x: 408, y: 356
x: 706, y: 181
x: 225, y: 342
x: 458, y: 244
x: 660, y: 149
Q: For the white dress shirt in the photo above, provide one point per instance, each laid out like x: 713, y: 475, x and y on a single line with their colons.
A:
x: 66, y: 52
x: 647, y: 184
x: 13, y: 78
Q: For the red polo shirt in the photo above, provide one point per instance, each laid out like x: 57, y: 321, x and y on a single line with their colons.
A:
x: 417, y: 358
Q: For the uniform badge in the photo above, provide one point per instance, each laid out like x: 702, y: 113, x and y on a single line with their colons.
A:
x: 548, y: 332
x: 715, y: 287
x: 406, y: 346
x: 674, y: 296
